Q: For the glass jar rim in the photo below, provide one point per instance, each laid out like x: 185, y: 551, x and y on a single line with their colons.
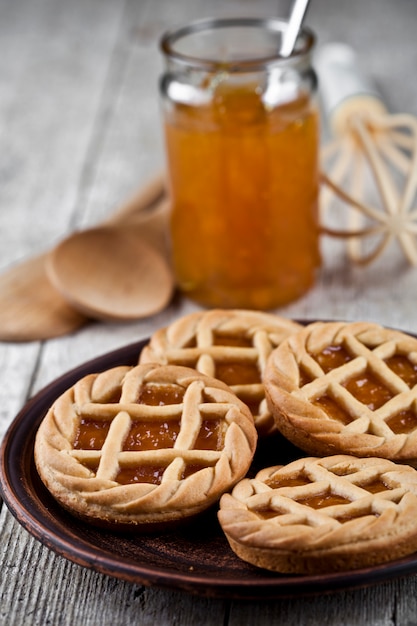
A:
x: 171, y: 37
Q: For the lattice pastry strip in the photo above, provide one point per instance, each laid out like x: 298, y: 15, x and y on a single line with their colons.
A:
x: 144, y: 445
x: 346, y: 387
x: 320, y: 515
x: 231, y: 345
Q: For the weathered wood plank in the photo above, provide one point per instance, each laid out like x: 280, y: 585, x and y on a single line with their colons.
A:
x: 55, y: 62
x: 37, y: 587
x: 16, y: 371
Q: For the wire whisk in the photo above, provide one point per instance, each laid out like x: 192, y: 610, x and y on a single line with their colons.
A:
x: 369, y: 168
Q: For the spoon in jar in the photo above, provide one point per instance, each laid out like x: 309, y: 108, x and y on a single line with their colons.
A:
x: 281, y: 91
x: 289, y: 39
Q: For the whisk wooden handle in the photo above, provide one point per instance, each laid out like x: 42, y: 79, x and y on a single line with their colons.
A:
x: 344, y: 89
x: 370, y: 145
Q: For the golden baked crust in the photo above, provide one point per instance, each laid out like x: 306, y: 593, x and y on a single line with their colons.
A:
x: 323, y: 515
x: 144, y: 445
x: 346, y: 388
x: 231, y: 345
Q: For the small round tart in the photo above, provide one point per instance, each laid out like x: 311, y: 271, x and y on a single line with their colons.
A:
x: 145, y: 445
x: 347, y: 388
x: 322, y: 515
x: 231, y: 345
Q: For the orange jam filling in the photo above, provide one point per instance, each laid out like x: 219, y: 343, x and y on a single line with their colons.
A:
x: 91, y: 434
x: 369, y: 390
x: 403, y: 368
x: 332, y: 357
x: 113, y: 397
x: 402, y: 422
x: 142, y: 474
x: 376, y: 486
x: 152, y: 473
x: 238, y: 373
x: 332, y: 409
x: 305, y: 378
x: 322, y: 500
x: 267, y: 513
x: 192, y: 468
x: 160, y: 395
x: 210, y: 436
x: 158, y: 435
x: 151, y: 435
x: 91, y: 464
x: 240, y: 341
x: 287, y: 481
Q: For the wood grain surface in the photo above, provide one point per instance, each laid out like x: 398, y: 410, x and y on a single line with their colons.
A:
x: 80, y: 132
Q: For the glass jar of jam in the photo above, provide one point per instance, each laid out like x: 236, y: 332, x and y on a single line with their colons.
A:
x: 242, y: 139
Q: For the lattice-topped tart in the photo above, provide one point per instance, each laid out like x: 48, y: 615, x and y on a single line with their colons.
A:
x: 144, y: 445
x: 231, y: 345
x: 346, y: 388
x: 321, y: 515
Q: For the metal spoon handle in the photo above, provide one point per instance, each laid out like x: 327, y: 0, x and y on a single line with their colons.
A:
x: 294, y: 24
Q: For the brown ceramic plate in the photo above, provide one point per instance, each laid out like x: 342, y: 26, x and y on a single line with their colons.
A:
x: 196, y: 559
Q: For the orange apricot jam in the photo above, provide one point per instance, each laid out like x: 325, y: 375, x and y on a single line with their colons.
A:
x: 288, y: 481
x: 238, y: 373
x: 323, y: 500
x: 210, y: 437
x: 154, y: 395
x: 91, y: 434
x: 304, y: 378
x: 140, y: 474
x: 238, y: 341
x: 333, y: 409
x: 244, y: 186
x: 403, y: 368
x: 376, y: 486
x: 147, y: 435
x: 369, y: 390
x: 364, y: 387
x: 403, y: 422
x: 332, y: 357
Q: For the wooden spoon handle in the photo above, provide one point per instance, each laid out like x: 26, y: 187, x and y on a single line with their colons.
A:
x: 146, y: 198
x: 151, y: 223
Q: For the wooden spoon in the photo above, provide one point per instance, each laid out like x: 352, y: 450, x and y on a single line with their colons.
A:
x: 32, y: 309
x: 112, y: 272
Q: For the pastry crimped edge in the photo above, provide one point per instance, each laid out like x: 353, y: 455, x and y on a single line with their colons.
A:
x: 307, y: 425
x: 166, y: 344
x: 141, y: 506
x: 320, y: 549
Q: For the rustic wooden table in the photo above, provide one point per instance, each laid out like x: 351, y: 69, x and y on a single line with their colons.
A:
x: 79, y: 132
